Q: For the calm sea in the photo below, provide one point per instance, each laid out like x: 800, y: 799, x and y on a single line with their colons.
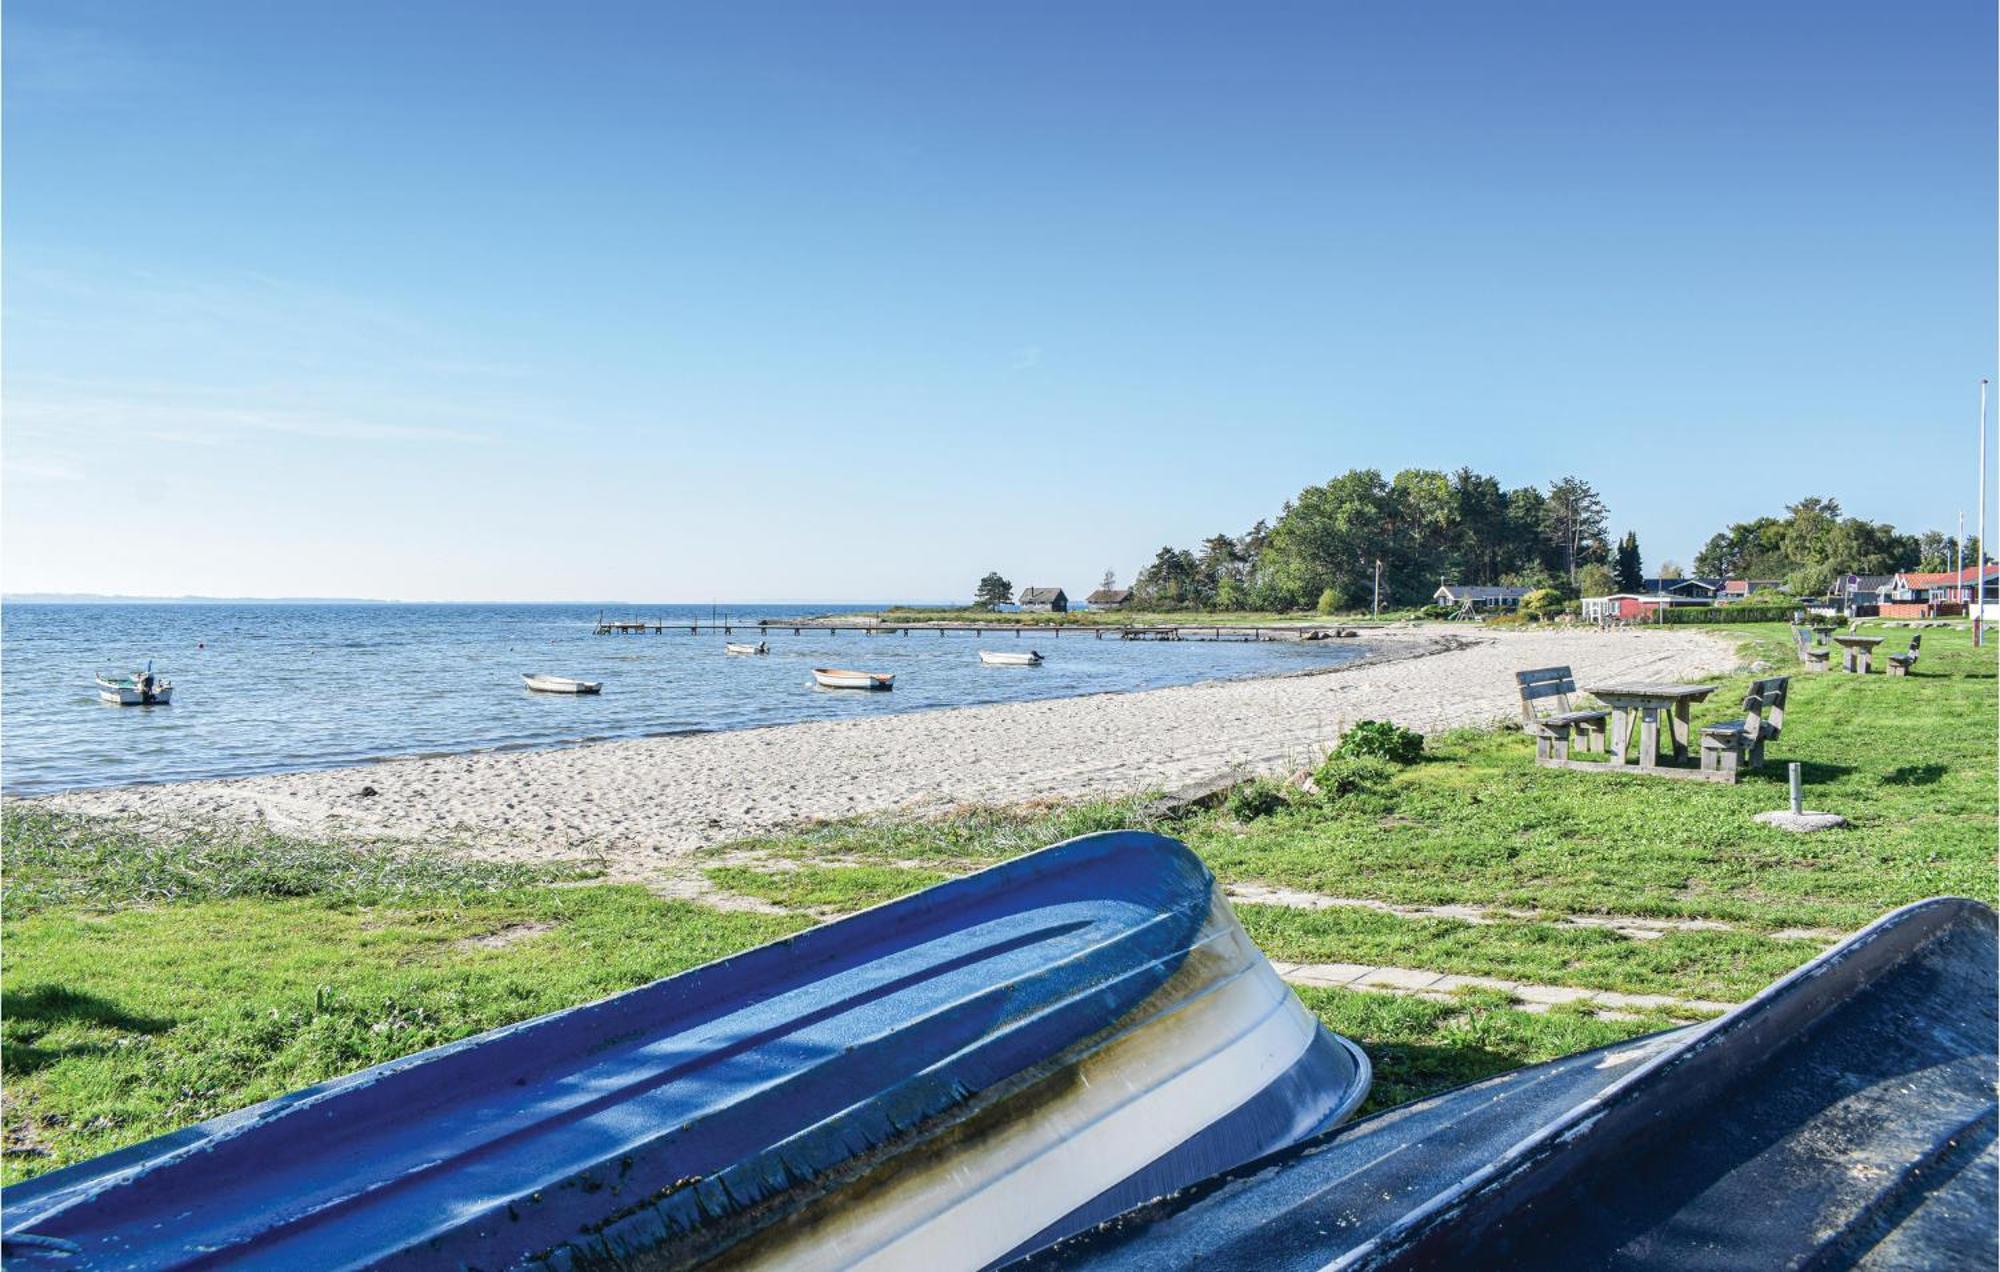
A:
x: 267, y: 688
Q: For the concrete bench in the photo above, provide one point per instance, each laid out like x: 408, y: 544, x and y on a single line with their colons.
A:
x: 1900, y: 664
x: 1552, y: 732
x: 1726, y: 747
x: 1816, y: 656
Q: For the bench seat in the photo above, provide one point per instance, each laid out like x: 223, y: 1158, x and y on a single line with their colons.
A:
x: 1552, y: 732
x: 1726, y: 746
x: 1576, y: 717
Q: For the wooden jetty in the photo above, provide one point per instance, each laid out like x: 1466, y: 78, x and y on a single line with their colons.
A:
x: 800, y: 627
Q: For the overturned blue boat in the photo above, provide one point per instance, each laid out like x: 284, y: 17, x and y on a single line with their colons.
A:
x: 953, y: 1079
x: 1845, y: 1117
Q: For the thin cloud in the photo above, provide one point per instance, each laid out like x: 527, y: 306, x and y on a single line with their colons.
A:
x: 203, y: 424
x: 39, y: 470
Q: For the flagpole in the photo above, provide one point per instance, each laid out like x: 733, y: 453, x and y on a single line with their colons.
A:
x: 1979, y: 557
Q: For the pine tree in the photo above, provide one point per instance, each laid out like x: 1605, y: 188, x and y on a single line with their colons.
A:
x: 1630, y: 570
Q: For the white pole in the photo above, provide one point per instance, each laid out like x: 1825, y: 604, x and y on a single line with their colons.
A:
x: 1979, y: 557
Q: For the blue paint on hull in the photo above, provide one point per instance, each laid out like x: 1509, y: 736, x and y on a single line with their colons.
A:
x: 893, y: 1076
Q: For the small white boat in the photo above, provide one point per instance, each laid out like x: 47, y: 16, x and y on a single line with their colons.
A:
x: 738, y: 647
x: 998, y: 658
x: 835, y: 678
x: 561, y: 684
x: 141, y: 689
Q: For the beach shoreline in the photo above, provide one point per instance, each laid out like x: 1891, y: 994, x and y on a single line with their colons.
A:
x: 639, y: 805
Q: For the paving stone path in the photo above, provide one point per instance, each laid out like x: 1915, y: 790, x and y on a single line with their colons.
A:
x: 1530, y: 998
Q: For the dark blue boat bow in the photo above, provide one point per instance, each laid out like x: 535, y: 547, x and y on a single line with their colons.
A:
x: 1844, y: 1117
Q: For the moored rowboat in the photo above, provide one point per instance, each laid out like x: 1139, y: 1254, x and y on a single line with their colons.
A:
x: 949, y: 1080
x: 135, y: 691
x: 1002, y: 658
x: 561, y: 684
x: 835, y: 678
x: 740, y: 647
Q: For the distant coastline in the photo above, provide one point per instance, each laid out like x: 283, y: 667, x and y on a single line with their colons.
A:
x: 102, y: 598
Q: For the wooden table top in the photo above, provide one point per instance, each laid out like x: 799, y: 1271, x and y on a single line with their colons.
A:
x: 1647, y: 689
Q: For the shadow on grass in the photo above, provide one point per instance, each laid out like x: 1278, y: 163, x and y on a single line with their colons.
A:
x: 1410, y: 1071
x: 1811, y: 772
x: 31, y: 1013
x: 1915, y: 775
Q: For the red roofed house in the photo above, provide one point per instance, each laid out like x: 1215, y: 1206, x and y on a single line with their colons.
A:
x: 1936, y: 593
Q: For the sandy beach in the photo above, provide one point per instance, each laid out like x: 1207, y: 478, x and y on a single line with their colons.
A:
x: 641, y: 804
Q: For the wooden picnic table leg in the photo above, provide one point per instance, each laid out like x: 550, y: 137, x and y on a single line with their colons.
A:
x: 1621, y: 733
x: 1682, y: 708
x: 1649, y: 736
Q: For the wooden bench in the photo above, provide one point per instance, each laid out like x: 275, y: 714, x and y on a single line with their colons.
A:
x: 1816, y: 657
x: 1900, y: 664
x: 1552, y: 732
x: 1725, y: 747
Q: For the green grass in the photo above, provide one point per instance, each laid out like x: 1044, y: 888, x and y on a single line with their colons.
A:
x: 1712, y: 966
x: 152, y: 983
x: 841, y: 889
x: 57, y: 861
x: 1909, y: 760
x: 127, y: 1023
x: 1419, y: 1046
x: 966, y: 839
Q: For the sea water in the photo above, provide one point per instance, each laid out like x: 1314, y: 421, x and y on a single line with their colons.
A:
x: 275, y: 687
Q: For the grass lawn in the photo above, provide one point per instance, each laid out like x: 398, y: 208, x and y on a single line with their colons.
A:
x: 149, y: 985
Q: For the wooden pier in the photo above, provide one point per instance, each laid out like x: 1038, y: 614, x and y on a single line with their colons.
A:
x: 762, y: 627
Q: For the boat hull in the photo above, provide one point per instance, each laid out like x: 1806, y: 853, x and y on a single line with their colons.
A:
x: 1845, y: 1115
x: 955, y: 1078
x: 125, y: 694
x: 562, y: 684
x: 735, y: 648
x: 1003, y: 659
x: 833, y: 679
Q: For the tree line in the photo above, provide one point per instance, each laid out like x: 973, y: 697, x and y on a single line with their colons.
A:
x: 1425, y: 526
x: 1421, y: 525
x: 1814, y: 543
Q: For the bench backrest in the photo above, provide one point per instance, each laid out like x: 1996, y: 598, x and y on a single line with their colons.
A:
x: 1915, y: 640
x: 1764, y: 707
x: 1799, y: 638
x: 1544, y: 682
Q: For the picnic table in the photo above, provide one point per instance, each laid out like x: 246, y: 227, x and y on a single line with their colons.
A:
x: 1648, y: 703
x: 1856, y: 651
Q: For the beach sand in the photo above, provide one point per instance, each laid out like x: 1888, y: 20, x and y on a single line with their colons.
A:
x: 642, y: 804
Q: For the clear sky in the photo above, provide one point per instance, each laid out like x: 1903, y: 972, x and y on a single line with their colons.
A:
x: 840, y: 301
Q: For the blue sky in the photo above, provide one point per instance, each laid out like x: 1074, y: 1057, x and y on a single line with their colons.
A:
x: 681, y: 302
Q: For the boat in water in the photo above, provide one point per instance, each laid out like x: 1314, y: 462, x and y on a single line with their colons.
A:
x: 836, y: 678
x: 998, y: 658
x: 561, y: 684
x: 955, y: 1078
x: 1843, y: 1117
x: 744, y: 647
x: 140, y: 689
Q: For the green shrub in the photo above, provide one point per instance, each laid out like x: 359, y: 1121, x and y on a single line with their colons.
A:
x: 1342, y: 777
x: 1543, y: 602
x: 1436, y: 611
x: 1727, y: 614
x: 1257, y: 799
x: 1329, y: 601
x: 1383, y: 740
